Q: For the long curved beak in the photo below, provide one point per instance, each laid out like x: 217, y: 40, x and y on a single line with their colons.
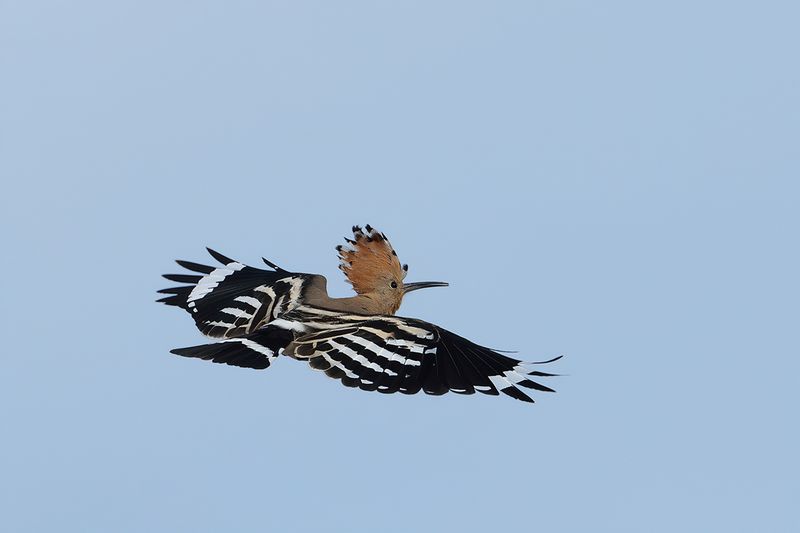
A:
x: 408, y: 287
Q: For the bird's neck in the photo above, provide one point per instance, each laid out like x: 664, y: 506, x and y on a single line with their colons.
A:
x: 366, y: 304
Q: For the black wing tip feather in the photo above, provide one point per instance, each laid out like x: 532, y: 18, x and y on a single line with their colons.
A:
x: 171, y: 290
x: 182, y: 278
x: 210, y: 352
x: 517, y: 394
x: 177, y: 296
x: 219, y: 257
x: 273, y: 266
x: 195, y: 267
x: 554, y: 359
x: 180, y: 294
x: 530, y: 384
x: 502, y: 351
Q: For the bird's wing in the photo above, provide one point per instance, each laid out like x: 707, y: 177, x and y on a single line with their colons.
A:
x: 256, y: 350
x: 234, y: 300
x: 395, y: 354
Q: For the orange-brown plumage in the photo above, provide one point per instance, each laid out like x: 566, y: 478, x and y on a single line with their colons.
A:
x: 371, y: 265
x: 369, y: 261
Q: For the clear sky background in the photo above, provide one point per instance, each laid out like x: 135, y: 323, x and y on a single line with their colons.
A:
x: 612, y: 181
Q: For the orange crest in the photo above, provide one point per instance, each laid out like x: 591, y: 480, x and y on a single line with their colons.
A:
x: 369, y: 261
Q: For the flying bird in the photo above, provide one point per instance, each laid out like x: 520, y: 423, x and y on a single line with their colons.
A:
x: 257, y: 314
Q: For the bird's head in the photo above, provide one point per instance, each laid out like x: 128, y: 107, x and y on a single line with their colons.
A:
x: 373, y: 269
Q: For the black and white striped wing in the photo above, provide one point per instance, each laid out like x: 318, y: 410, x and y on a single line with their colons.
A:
x: 234, y: 299
x: 393, y: 354
x: 256, y: 350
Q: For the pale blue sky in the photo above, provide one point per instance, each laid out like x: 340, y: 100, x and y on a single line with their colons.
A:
x: 611, y: 181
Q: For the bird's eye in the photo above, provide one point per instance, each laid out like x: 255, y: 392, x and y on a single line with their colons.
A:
x: 394, y: 284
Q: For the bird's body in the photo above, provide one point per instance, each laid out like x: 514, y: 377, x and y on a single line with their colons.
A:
x: 257, y: 314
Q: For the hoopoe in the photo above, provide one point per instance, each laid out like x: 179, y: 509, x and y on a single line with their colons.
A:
x: 258, y: 314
